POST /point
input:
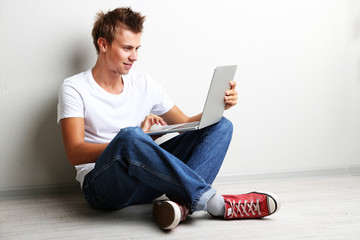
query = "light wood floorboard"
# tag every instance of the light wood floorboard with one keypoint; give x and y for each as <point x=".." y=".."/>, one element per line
<point x="312" y="208"/>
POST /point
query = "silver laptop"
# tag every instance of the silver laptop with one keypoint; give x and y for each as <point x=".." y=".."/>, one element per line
<point x="214" y="106"/>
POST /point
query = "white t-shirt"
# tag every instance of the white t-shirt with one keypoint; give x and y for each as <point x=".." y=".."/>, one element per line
<point x="105" y="113"/>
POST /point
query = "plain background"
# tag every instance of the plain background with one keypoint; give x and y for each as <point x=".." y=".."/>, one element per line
<point x="298" y="78"/>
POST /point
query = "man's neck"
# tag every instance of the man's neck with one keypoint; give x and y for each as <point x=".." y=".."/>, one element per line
<point x="110" y="81"/>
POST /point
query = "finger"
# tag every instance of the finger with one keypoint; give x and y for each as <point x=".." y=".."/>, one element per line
<point x="152" y="119"/>
<point x="231" y="100"/>
<point x="231" y="93"/>
<point x="232" y="84"/>
<point x="230" y="105"/>
<point x="162" y="122"/>
<point x="148" y="119"/>
<point x="231" y="97"/>
<point x="157" y="120"/>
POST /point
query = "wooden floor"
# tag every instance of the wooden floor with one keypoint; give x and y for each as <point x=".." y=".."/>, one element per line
<point x="312" y="208"/>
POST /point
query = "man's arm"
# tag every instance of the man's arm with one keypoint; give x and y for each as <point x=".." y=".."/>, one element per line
<point x="175" y="115"/>
<point x="77" y="150"/>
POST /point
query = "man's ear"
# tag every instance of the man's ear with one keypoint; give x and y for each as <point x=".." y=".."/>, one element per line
<point x="103" y="44"/>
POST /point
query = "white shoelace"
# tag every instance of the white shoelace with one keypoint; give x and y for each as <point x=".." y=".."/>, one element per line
<point x="244" y="208"/>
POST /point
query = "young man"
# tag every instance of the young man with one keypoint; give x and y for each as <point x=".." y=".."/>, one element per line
<point x="104" y="114"/>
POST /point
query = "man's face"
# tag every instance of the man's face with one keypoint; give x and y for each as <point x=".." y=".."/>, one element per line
<point x="123" y="51"/>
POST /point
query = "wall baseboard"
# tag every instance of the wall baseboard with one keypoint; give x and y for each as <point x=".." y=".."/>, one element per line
<point x="321" y="172"/>
<point x="61" y="189"/>
<point x="38" y="191"/>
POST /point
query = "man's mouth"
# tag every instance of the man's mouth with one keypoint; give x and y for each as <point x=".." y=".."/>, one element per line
<point x="128" y="65"/>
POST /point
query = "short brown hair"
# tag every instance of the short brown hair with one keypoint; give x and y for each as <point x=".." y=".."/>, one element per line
<point x="108" y="24"/>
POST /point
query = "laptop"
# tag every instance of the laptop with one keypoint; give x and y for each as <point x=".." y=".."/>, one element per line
<point x="214" y="105"/>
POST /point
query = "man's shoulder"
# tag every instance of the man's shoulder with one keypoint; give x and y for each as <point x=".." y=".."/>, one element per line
<point x="78" y="79"/>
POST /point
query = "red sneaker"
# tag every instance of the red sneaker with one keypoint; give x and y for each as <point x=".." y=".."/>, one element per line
<point x="168" y="214"/>
<point x="250" y="205"/>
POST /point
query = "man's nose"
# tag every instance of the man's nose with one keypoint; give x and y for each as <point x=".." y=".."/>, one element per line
<point x="134" y="55"/>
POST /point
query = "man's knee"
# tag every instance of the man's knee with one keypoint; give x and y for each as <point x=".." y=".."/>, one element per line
<point x="226" y="126"/>
<point x="129" y="135"/>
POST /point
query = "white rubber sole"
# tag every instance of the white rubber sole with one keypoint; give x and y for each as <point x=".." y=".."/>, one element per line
<point x="274" y="203"/>
<point x="167" y="214"/>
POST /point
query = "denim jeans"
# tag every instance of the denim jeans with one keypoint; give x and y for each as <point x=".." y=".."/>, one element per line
<point x="133" y="169"/>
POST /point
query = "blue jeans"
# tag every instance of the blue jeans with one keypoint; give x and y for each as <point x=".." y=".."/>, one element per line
<point x="133" y="169"/>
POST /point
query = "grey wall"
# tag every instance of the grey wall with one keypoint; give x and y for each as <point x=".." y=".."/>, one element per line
<point x="298" y="78"/>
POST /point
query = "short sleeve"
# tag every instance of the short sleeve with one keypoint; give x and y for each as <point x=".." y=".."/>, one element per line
<point x="162" y="102"/>
<point x="70" y="102"/>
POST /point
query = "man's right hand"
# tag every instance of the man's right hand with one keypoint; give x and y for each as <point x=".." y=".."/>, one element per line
<point x="150" y="120"/>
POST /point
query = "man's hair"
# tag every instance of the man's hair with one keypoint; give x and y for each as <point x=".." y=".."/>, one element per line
<point x="108" y="24"/>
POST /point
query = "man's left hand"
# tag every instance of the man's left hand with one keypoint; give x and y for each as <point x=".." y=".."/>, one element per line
<point x="231" y="96"/>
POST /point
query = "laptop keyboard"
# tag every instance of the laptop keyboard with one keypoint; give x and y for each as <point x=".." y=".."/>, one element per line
<point x="177" y="126"/>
